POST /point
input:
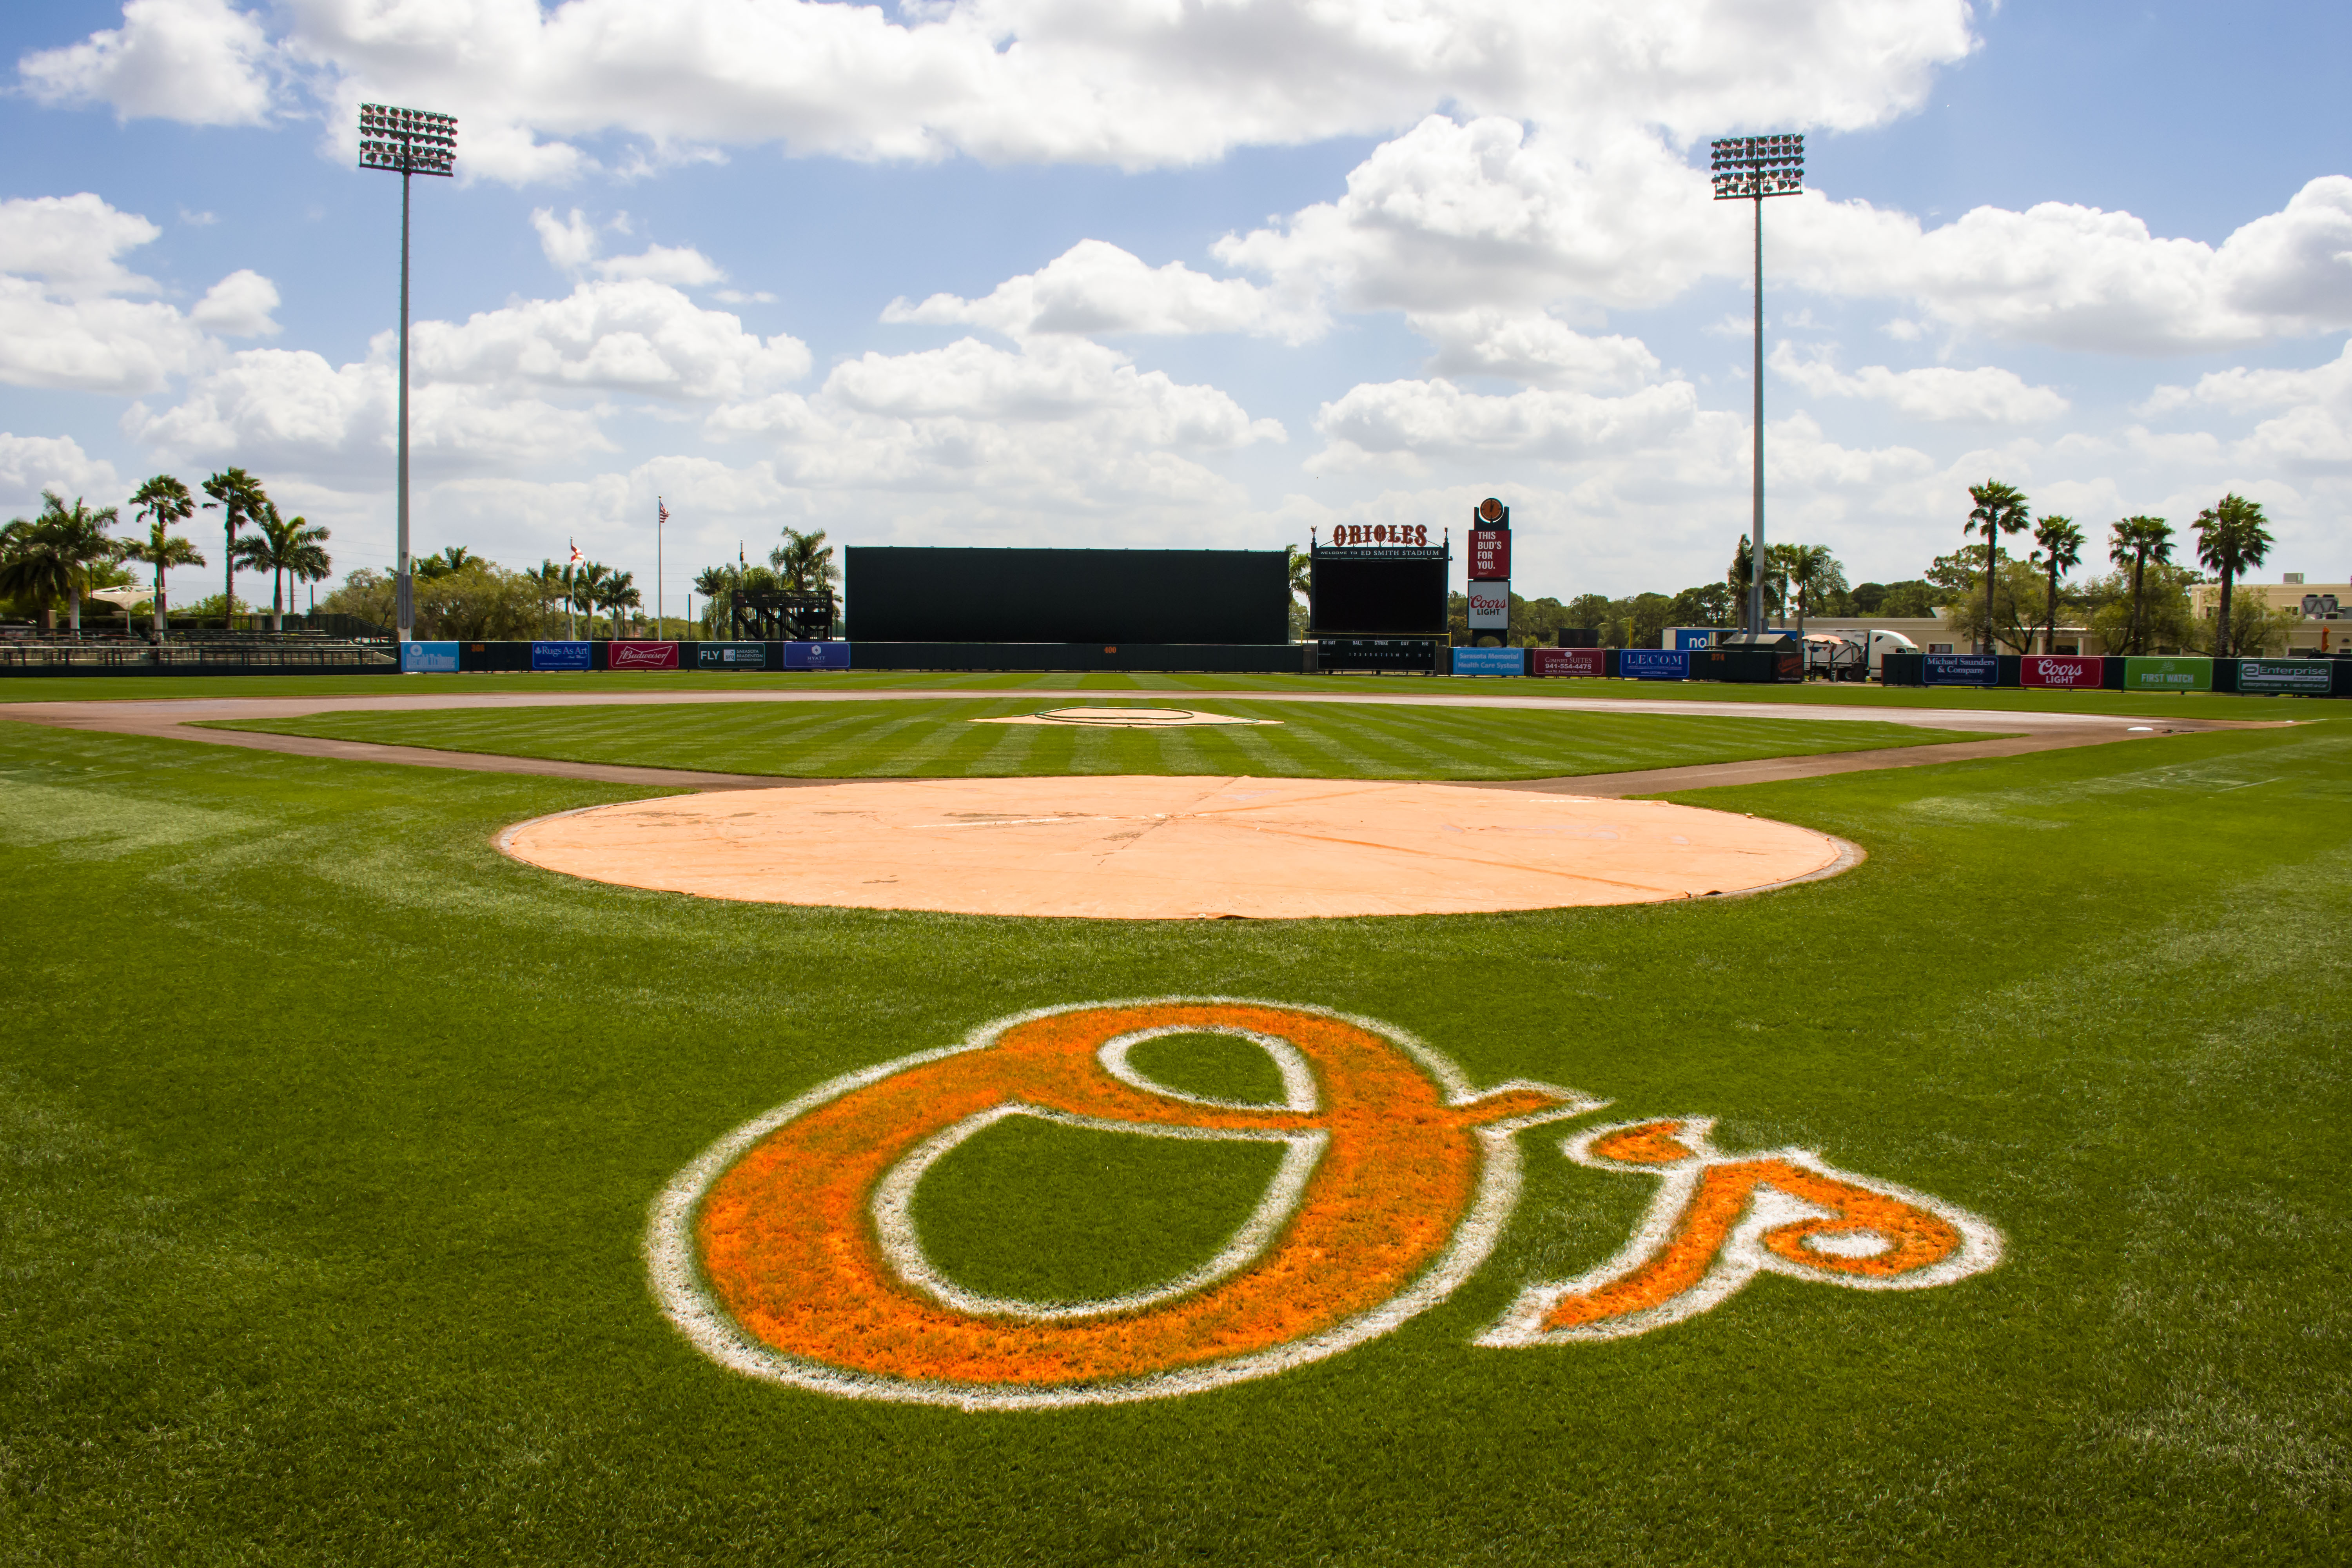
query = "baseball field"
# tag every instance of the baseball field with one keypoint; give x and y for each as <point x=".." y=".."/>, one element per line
<point x="368" y="1194"/>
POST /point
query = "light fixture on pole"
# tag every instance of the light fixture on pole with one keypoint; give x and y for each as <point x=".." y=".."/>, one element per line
<point x="1749" y="168"/>
<point x="406" y="142"/>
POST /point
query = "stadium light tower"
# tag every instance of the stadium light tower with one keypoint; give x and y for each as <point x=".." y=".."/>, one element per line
<point x="406" y="141"/>
<point x="1749" y="168"/>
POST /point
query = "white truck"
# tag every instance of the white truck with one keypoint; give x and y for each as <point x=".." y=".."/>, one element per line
<point x="1842" y="654"/>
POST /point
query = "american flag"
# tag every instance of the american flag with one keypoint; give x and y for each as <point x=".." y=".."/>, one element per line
<point x="661" y="509"/>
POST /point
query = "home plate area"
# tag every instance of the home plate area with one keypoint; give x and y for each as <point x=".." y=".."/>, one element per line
<point x="1173" y="848"/>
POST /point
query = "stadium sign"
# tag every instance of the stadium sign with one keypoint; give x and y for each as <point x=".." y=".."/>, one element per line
<point x="1962" y="670"/>
<point x="1490" y="554"/>
<point x="1567" y="661"/>
<point x="561" y="655"/>
<point x="1653" y="663"/>
<point x="788" y="1252"/>
<point x="2071" y="671"/>
<point x="641" y="656"/>
<point x="2298" y="677"/>
<point x="428" y="658"/>
<point x="731" y="656"/>
<point x="1383" y="537"/>
<point x="1490" y="606"/>
<point x="2168" y="675"/>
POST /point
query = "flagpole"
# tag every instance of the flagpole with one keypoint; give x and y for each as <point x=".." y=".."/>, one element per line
<point x="661" y="517"/>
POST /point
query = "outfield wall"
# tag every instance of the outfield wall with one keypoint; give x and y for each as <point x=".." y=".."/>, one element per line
<point x="2250" y="676"/>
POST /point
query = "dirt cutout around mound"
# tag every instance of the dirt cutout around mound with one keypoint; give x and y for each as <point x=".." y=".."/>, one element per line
<point x="1174" y="847"/>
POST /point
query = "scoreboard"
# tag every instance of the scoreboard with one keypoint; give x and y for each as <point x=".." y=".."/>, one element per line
<point x="1378" y="582"/>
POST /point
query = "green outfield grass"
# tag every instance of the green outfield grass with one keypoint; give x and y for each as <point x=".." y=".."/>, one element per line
<point x="328" y="1136"/>
<point x="917" y="738"/>
<point x="2182" y="705"/>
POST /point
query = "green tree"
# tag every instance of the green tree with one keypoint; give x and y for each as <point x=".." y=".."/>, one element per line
<point x="2256" y="631"/>
<point x="2062" y="551"/>
<point x="2229" y="539"/>
<point x="282" y="546"/>
<point x="1812" y="571"/>
<point x="618" y="592"/>
<point x="2164" y="620"/>
<point x="1708" y="605"/>
<point x="1740" y="578"/>
<point x="51" y="557"/>
<point x="1998" y="509"/>
<point x="1910" y="599"/>
<point x="804" y="561"/>
<point x="2136" y="543"/>
<point x="452" y="558"/>
<point x="238" y="496"/>
<point x="159" y="503"/>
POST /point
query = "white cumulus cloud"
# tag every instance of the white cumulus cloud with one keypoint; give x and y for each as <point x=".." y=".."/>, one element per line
<point x="1985" y="395"/>
<point x="1062" y="423"/>
<point x="1130" y="82"/>
<point x="1096" y="289"/>
<point x="1410" y="422"/>
<point x="31" y="464"/>
<point x="202" y="62"/>
<point x="1531" y="347"/>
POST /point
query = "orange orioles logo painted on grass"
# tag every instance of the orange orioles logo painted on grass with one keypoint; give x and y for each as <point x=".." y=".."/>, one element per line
<point x="788" y="1252"/>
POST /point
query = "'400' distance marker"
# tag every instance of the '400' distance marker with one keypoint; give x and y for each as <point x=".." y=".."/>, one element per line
<point x="789" y="1252"/>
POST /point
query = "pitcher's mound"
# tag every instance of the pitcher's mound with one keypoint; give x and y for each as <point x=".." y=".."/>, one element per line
<point x="1173" y="848"/>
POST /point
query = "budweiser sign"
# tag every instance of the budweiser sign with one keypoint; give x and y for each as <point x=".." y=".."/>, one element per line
<point x="641" y="656"/>
<point x="1490" y="554"/>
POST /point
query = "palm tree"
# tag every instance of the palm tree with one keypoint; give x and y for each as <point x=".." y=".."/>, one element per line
<point x="2134" y="541"/>
<point x="2062" y="551"/>
<point x="1807" y="565"/>
<point x="715" y="584"/>
<point x="161" y="502"/>
<point x="238" y="496"/>
<point x="453" y="558"/>
<point x="32" y="567"/>
<point x="616" y="593"/>
<point x="309" y="563"/>
<point x="1741" y="578"/>
<point x="587" y="582"/>
<point x="49" y="558"/>
<point x="805" y="561"/>
<point x="282" y="545"/>
<point x="1999" y="509"/>
<point x="2230" y="538"/>
<point x="552" y="584"/>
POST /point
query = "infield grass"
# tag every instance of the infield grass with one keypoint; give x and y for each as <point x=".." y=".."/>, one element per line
<point x="920" y="738"/>
<point x="327" y="1134"/>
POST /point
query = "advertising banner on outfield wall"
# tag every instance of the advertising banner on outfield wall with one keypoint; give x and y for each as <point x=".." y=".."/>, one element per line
<point x="641" y="656"/>
<point x="560" y="655"/>
<point x="2168" y="675"/>
<point x="1566" y="661"/>
<point x="1962" y="669"/>
<point x="731" y="656"/>
<point x="816" y="656"/>
<point x="428" y="658"/>
<point x="2072" y="672"/>
<point x="2304" y="676"/>
<point x="1490" y="662"/>
<point x="1653" y="663"/>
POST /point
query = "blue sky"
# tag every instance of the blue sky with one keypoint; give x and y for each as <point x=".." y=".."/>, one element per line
<point x="1119" y="273"/>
